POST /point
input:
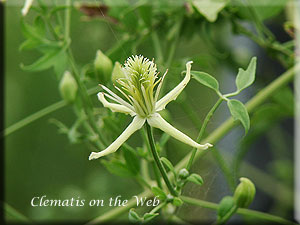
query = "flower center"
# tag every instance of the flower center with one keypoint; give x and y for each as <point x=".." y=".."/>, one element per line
<point x="138" y="84"/>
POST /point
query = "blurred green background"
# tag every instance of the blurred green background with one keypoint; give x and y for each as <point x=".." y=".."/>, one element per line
<point x="40" y="161"/>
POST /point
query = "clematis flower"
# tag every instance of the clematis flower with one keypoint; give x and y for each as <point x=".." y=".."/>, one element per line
<point x="140" y="86"/>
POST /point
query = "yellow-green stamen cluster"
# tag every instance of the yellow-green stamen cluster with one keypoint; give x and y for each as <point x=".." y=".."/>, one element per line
<point x="138" y="84"/>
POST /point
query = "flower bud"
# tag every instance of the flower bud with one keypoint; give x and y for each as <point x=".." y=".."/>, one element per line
<point x="244" y="193"/>
<point x="177" y="201"/>
<point x="226" y="204"/>
<point x="103" y="66"/>
<point x="117" y="72"/>
<point x="68" y="87"/>
<point x="183" y="173"/>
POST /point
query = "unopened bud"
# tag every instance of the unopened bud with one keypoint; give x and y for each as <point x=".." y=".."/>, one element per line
<point x="103" y="66"/>
<point x="183" y="173"/>
<point x="177" y="201"/>
<point x="68" y="87"/>
<point x="226" y="204"/>
<point x="244" y="193"/>
<point x="117" y="72"/>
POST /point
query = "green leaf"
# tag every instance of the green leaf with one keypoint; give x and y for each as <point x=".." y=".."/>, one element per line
<point x="168" y="164"/>
<point x="134" y="217"/>
<point x="149" y="216"/>
<point x="29" y="31"/>
<point x="195" y="178"/>
<point x="40" y="26"/>
<point x="132" y="161"/>
<point x="239" y="112"/>
<point x="209" y="8"/>
<point x="117" y="168"/>
<point x="45" y="62"/>
<point x="263" y="9"/>
<point x="159" y="193"/>
<point x="226" y="204"/>
<point x="246" y="77"/>
<point x="30" y="44"/>
<point x="206" y="79"/>
<point x="61" y="64"/>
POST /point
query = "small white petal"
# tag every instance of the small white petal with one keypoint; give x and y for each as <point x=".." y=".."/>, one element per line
<point x="135" y="125"/>
<point x="113" y="106"/>
<point x="26" y="7"/>
<point x="116" y="97"/>
<point x="172" y="95"/>
<point x="158" y="122"/>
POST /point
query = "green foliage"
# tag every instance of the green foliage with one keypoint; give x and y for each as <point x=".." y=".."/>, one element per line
<point x="262" y="9"/>
<point x="195" y="178"/>
<point x="168" y="164"/>
<point x="206" y="79"/>
<point x="246" y="77"/>
<point x="239" y="112"/>
<point x="134" y="217"/>
<point x="210" y="8"/>
<point x="132" y="160"/>
<point x="54" y="52"/>
<point x="118" y="168"/>
<point x="159" y="193"/>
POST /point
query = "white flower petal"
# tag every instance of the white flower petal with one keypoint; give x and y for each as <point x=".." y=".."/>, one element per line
<point x="158" y="122"/>
<point x="135" y="125"/>
<point x="26" y="7"/>
<point x="116" y="97"/>
<point x="113" y="106"/>
<point x="172" y="95"/>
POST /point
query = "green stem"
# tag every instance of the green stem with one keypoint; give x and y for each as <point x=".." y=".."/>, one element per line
<point x="202" y="130"/>
<point x="67" y="18"/>
<point x="33" y="117"/>
<point x="154" y="210"/>
<point x="88" y="107"/>
<point x="154" y="166"/>
<point x="241" y="211"/>
<point x="225" y="218"/>
<point x="87" y="104"/>
<point x="217" y="155"/>
<point x="157" y="160"/>
<point x="39" y="114"/>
